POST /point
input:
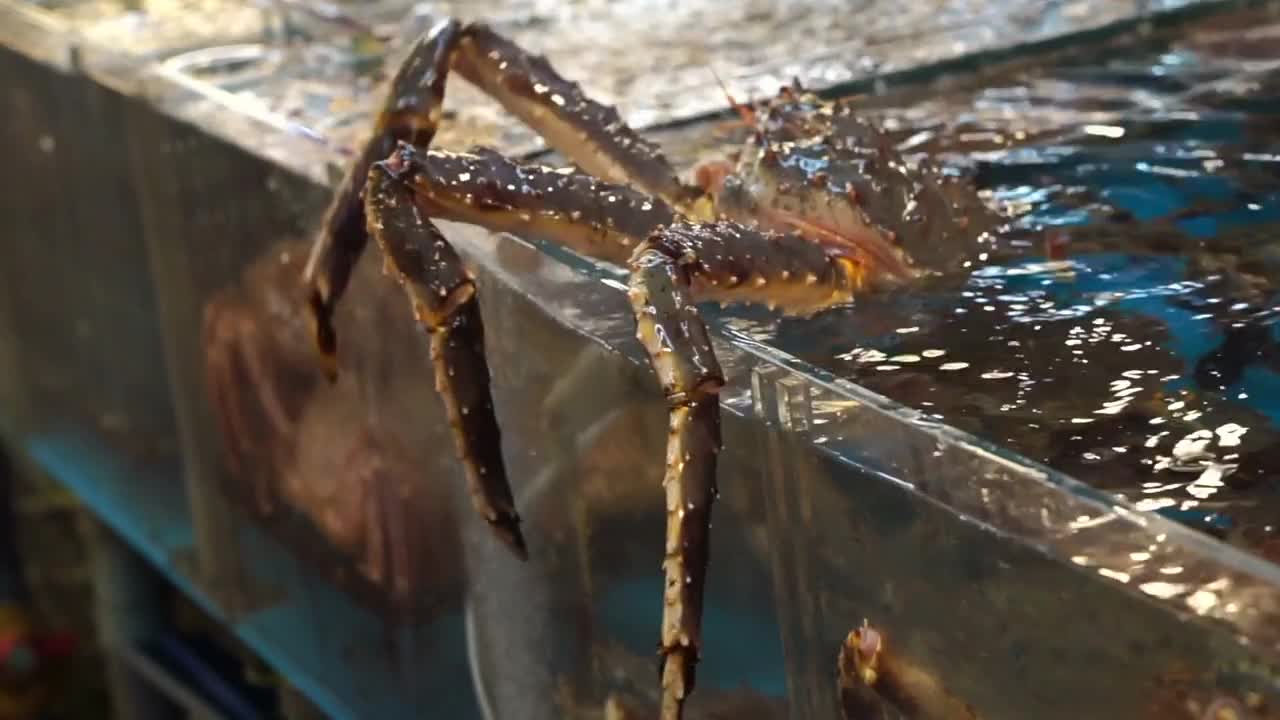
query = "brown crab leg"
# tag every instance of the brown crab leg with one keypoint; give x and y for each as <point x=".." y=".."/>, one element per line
<point x="590" y="134"/>
<point x="681" y="352"/>
<point x="443" y="296"/>
<point x="222" y="378"/>
<point x="481" y="187"/>
<point x="411" y="112"/>
<point x="677" y="265"/>
<point x="235" y="362"/>
<point x="672" y="264"/>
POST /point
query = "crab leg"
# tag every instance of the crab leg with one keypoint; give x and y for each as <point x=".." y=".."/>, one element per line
<point x="410" y="113"/>
<point x="590" y="134"/>
<point x="235" y="362"/>
<point x="674" y="336"/>
<point x="443" y="296"/>
<point x="678" y="265"/>
<point x="481" y="187"/>
<point x="663" y="274"/>
<point x="673" y="263"/>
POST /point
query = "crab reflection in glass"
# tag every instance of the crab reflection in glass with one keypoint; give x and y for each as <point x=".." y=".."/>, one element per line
<point x="819" y="207"/>
<point x="291" y="441"/>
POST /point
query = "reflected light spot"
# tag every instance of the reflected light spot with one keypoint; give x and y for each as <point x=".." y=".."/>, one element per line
<point x="1107" y="131"/>
<point x="1162" y="590"/>
<point x="1114" y="575"/>
<point x="1202" y="601"/>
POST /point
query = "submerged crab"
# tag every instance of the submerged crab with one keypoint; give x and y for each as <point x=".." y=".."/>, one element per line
<point x="251" y="337"/>
<point x="819" y="207"/>
<point x="290" y="439"/>
<point x="873" y="679"/>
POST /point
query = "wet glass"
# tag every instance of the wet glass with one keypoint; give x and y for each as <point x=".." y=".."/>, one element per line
<point x="1014" y="587"/>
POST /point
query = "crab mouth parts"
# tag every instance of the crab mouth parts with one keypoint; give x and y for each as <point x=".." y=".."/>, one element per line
<point x="864" y="244"/>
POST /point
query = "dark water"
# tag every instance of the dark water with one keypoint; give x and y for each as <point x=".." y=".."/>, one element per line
<point x="1131" y="340"/>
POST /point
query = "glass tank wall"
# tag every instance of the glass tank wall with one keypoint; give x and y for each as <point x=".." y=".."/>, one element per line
<point x="86" y="367"/>
<point x="1002" y="588"/>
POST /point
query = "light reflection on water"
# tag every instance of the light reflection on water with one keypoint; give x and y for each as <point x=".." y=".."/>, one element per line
<point x="1145" y="359"/>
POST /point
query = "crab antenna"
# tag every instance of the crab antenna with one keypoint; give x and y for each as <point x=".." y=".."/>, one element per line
<point x="744" y="111"/>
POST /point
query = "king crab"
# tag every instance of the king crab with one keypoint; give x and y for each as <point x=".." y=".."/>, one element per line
<point x="289" y="437"/>
<point x="818" y="208"/>
<point x="252" y="335"/>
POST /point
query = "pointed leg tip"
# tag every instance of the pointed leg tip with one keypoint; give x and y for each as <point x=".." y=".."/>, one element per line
<point x="329" y="367"/>
<point x="326" y="345"/>
<point x="325" y="338"/>
<point x="676" y="667"/>
<point x="508" y="528"/>
<point x="519" y="548"/>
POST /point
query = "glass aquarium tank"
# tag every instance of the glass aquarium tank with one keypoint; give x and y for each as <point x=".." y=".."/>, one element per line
<point x="1114" y="322"/>
<point x="110" y="39"/>
<point x="76" y="277"/>
<point x="85" y="377"/>
<point x="1039" y="475"/>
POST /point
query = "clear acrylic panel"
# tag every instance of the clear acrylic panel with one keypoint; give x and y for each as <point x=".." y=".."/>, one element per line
<point x="111" y="40"/>
<point x="851" y="508"/>
<point x="1004" y="583"/>
<point x="76" y="276"/>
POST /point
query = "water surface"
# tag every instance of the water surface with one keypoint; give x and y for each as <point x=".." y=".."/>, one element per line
<point x="1127" y="332"/>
